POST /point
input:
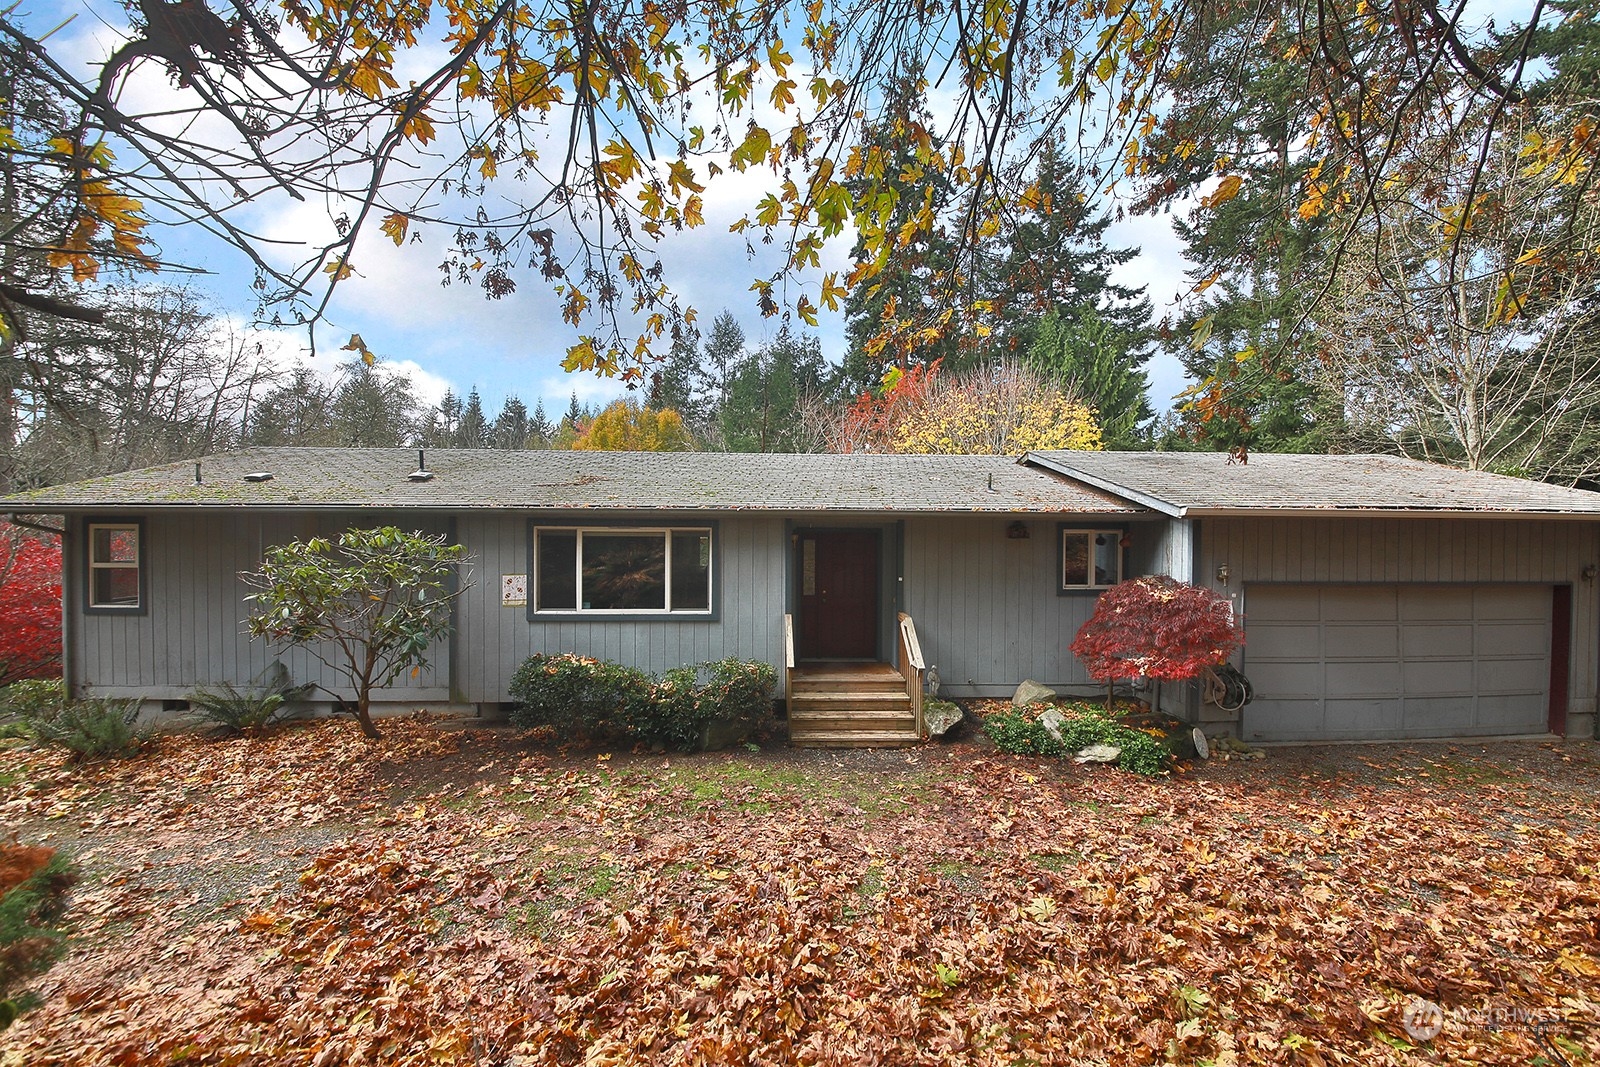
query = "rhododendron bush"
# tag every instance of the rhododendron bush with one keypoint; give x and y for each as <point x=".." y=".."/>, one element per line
<point x="30" y="605"/>
<point x="1157" y="627"/>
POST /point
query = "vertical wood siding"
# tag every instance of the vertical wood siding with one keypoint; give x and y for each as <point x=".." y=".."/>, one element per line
<point x="1417" y="550"/>
<point x="494" y="640"/>
<point x="193" y="633"/>
<point x="986" y="607"/>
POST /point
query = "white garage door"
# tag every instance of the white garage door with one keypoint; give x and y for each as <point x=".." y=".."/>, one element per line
<point x="1349" y="662"/>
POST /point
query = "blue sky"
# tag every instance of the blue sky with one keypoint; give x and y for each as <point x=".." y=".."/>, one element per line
<point x="453" y="338"/>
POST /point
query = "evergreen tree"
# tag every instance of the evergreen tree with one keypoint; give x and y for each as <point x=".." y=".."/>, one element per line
<point x="1093" y="357"/>
<point x="511" y="427"/>
<point x="677" y="383"/>
<point x="767" y="391"/>
<point x="1246" y="336"/>
<point x="442" y="422"/>
<point x="540" y="429"/>
<point x="373" y="409"/>
<point x="298" y="412"/>
<point x="474" y="429"/>
<point x="1055" y="259"/>
<point x="722" y="352"/>
<point x="894" y="320"/>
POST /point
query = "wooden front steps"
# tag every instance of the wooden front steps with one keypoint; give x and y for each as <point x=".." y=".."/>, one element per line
<point x="850" y="705"/>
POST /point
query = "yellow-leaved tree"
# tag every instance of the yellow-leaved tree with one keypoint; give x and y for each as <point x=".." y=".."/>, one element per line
<point x="1004" y="409"/>
<point x="628" y="427"/>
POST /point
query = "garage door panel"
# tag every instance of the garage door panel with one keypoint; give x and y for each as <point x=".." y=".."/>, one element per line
<point x="1452" y="678"/>
<point x="1291" y="641"/>
<point x="1285" y="681"/>
<point x="1513" y="639"/>
<point x="1436" y="715"/>
<point x="1359" y="603"/>
<point x="1522" y="714"/>
<point x="1441" y="640"/>
<point x="1438" y="603"/>
<point x="1297" y="720"/>
<point x="1350" y="641"/>
<point x="1530" y="603"/>
<point x="1355" y="718"/>
<point x="1293" y="604"/>
<point x="1369" y="679"/>
<point x="1396" y="661"/>
<point x="1512" y="676"/>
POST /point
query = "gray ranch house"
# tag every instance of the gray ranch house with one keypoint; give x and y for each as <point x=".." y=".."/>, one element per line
<point x="1382" y="597"/>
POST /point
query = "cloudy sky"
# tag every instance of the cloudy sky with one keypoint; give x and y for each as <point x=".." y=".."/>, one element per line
<point x="451" y="337"/>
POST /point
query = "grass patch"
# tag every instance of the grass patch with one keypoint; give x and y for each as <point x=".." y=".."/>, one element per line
<point x="1477" y="770"/>
<point x="1058" y="861"/>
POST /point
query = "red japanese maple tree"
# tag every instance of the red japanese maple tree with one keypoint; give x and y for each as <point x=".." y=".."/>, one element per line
<point x="30" y="605"/>
<point x="1157" y="627"/>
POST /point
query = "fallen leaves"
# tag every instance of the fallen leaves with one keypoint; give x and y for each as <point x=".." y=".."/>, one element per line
<point x="451" y="896"/>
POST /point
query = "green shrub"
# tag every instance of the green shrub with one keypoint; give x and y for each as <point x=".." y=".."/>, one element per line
<point x="577" y="697"/>
<point x="33" y="887"/>
<point x="92" y="729"/>
<point x="269" y="701"/>
<point x="736" y="694"/>
<point x="23" y="701"/>
<point x="1018" y="730"/>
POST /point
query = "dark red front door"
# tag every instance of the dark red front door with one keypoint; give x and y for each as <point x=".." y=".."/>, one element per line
<point x="838" y="571"/>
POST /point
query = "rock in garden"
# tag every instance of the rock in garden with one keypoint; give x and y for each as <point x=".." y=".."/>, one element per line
<point x="938" y="716"/>
<point x="1098" y="754"/>
<point x="1202" y="750"/>
<point x="1031" y="692"/>
<point x="1052" y="721"/>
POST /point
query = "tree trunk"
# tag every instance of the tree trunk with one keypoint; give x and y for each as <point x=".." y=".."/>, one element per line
<point x="364" y="714"/>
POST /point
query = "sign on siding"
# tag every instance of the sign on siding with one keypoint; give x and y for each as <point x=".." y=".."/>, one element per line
<point x="513" y="590"/>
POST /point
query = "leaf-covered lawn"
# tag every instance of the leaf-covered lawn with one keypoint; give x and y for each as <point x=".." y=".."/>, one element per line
<point x="455" y="896"/>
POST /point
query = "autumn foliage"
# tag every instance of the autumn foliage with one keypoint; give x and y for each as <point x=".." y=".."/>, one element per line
<point x="1156" y="627"/>
<point x="456" y="897"/>
<point x="1001" y="410"/>
<point x="625" y="427"/>
<point x="30" y="605"/>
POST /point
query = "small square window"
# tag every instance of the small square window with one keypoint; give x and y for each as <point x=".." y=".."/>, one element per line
<point x="1090" y="559"/>
<point x="116" y="570"/>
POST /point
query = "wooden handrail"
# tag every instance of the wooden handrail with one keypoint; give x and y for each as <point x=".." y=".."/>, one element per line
<point x="788" y="666"/>
<point x="911" y="666"/>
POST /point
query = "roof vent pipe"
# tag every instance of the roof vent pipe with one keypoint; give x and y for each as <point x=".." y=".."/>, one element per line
<point x="422" y="473"/>
<point x="197" y="474"/>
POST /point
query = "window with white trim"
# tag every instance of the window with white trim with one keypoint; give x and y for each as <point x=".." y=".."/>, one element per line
<point x="622" y="570"/>
<point x="116" y="579"/>
<point x="1090" y="559"/>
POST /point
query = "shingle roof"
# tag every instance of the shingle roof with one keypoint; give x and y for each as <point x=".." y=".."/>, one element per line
<point x="646" y="481"/>
<point x="1206" y="482"/>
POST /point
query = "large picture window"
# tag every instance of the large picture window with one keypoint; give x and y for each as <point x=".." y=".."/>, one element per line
<point x="116" y="566"/>
<point x="1090" y="559"/>
<point x="622" y="570"/>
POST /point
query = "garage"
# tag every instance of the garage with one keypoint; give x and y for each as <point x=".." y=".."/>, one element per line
<point x="1368" y="661"/>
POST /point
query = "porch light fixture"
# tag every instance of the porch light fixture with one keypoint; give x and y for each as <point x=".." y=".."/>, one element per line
<point x="1223" y="574"/>
<point x="1017" y="531"/>
<point x="1589" y="571"/>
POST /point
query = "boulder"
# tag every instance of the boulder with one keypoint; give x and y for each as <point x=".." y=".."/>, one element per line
<point x="1052" y="721"/>
<point x="1098" y="754"/>
<point x="1031" y="692"/>
<point x="938" y="716"/>
<point x="722" y="733"/>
